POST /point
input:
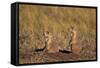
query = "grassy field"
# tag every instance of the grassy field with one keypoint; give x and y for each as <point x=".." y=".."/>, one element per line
<point x="34" y="20"/>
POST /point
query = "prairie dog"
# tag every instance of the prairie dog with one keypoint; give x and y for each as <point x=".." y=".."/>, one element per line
<point x="74" y="41"/>
<point x="51" y="44"/>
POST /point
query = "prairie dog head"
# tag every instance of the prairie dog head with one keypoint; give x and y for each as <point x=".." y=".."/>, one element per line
<point x="73" y="31"/>
<point x="48" y="36"/>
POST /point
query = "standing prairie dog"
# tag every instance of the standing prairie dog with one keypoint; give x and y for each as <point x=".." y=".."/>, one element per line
<point x="51" y="44"/>
<point x="74" y="41"/>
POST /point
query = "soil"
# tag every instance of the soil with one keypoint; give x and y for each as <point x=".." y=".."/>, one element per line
<point x="44" y="57"/>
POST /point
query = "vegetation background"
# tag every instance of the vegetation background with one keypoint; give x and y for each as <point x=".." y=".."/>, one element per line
<point x="35" y="19"/>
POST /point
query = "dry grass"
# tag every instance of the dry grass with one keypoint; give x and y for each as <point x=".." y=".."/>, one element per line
<point x="34" y="20"/>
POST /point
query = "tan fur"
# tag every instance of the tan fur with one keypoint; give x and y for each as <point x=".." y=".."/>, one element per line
<point x="52" y="47"/>
<point x="74" y="42"/>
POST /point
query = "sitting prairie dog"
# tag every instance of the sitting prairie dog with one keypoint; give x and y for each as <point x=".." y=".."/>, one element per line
<point x="51" y="45"/>
<point x="75" y="47"/>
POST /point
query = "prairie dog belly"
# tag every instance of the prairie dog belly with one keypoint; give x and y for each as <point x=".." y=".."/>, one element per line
<point x="76" y="47"/>
<point x="53" y="47"/>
